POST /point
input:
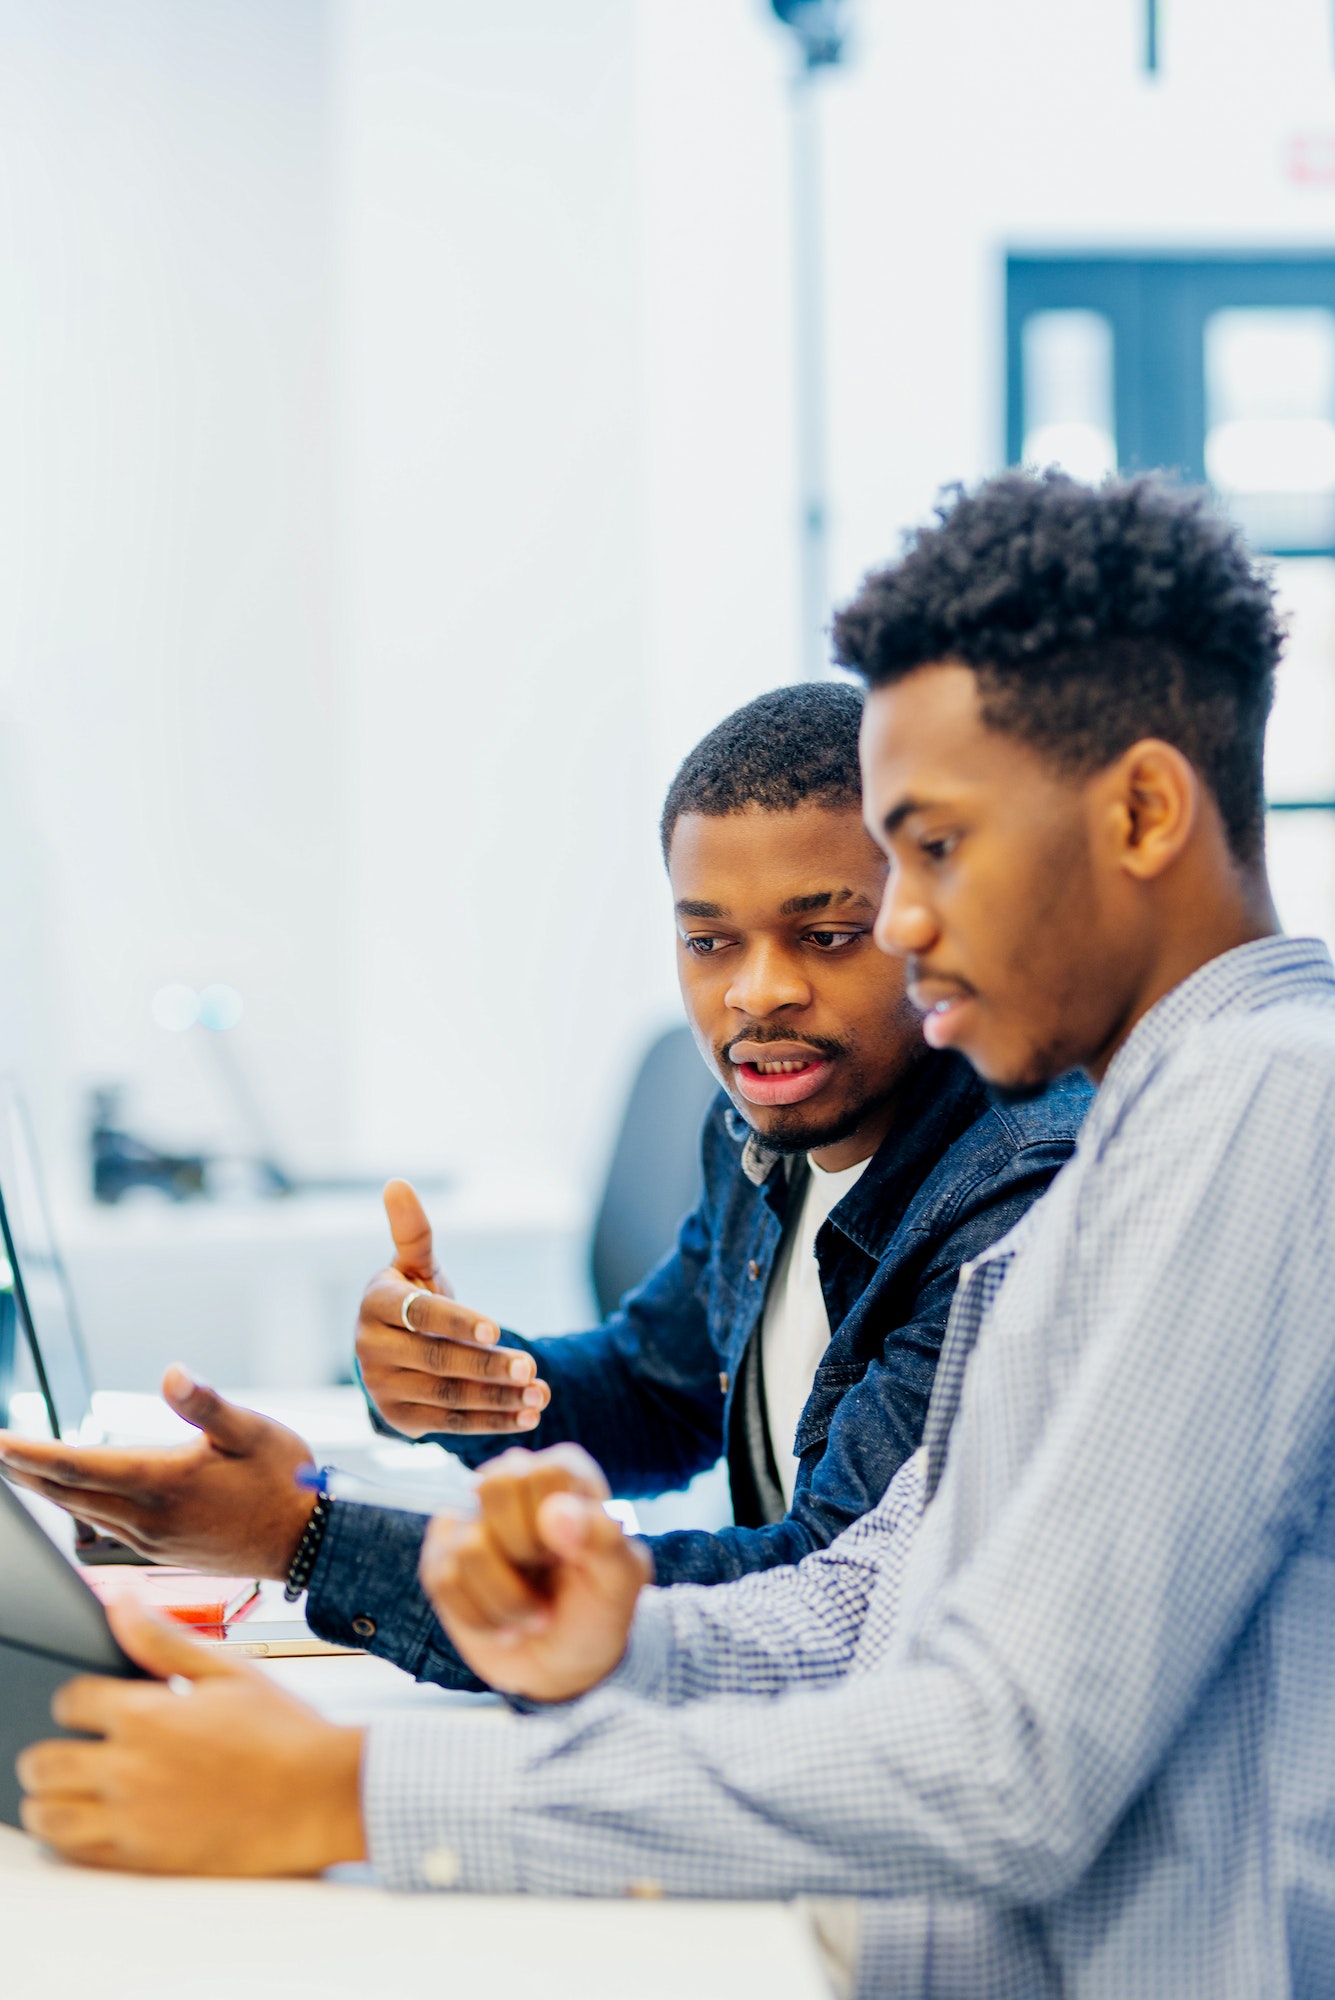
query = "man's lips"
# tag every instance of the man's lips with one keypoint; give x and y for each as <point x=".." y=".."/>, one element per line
<point x="778" y="1072"/>
<point x="944" y="1005"/>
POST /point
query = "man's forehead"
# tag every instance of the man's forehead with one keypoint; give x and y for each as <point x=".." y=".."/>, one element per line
<point x="923" y="742"/>
<point x="785" y="863"/>
<point x="932" y="706"/>
<point x="810" y="836"/>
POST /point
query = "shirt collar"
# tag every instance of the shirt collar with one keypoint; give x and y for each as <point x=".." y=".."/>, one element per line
<point x="1242" y="981"/>
<point x="757" y="1158"/>
<point x="940" y="1101"/>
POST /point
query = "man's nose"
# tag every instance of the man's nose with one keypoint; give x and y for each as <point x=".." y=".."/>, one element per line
<point x="905" y="926"/>
<point x="766" y="978"/>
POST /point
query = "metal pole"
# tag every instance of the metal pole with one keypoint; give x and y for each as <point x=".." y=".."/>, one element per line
<point x="809" y="287"/>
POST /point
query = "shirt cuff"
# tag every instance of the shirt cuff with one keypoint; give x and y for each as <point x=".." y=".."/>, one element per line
<point x="363" y="1588"/>
<point x="437" y="1797"/>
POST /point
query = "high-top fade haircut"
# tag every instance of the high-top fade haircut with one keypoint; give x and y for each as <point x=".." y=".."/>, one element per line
<point x="1092" y="618"/>
<point x="784" y="749"/>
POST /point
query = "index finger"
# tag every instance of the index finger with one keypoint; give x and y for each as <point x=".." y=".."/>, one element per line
<point x="81" y="1468"/>
<point x="97" y="1704"/>
<point x="393" y="1303"/>
<point x="513" y="1487"/>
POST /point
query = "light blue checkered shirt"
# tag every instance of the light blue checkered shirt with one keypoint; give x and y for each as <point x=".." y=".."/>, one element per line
<point x="1073" y="1726"/>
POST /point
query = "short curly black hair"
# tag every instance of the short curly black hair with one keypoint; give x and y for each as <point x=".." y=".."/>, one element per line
<point x="782" y="749"/>
<point x="1092" y="617"/>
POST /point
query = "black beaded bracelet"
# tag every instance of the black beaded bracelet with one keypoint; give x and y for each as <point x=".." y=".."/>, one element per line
<point x="308" y="1548"/>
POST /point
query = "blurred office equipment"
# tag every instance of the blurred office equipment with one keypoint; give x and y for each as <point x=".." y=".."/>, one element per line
<point x="120" y="1162"/>
<point x="1220" y="368"/>
<point x="654" y="1178"/>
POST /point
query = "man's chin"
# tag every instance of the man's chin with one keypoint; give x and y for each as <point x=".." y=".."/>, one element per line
<point x="1019" y="1083"/>
<point x="799" y="1130"/>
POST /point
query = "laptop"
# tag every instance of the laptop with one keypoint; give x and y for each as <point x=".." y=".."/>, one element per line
<point x="47" y="1347"/>
<point x="44" y="1352"/>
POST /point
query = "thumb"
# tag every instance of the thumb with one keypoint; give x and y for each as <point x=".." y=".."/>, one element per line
<point x="585" y="1536"/>
<point x="234" y="1430"/>
<point x="413" y="1252"/>
<point x="162" y="1648"/>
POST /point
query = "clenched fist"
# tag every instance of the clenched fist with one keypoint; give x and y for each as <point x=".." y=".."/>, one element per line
<point x="537" y="1593"/>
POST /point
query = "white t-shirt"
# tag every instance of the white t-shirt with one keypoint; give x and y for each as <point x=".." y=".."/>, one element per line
<point x="796" y="1328"/>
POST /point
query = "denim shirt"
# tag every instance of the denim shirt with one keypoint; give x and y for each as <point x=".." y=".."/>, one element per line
<point x="652" y="1393"/>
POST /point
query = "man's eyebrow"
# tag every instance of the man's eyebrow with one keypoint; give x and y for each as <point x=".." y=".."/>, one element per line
<point x="824" y="899"/>
<point x="688" y="907"/>
<point x="896" y="817"/>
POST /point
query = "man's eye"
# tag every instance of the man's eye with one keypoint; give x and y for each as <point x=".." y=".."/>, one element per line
<point x="703" y="947"/>
<point x="833" y="940"/>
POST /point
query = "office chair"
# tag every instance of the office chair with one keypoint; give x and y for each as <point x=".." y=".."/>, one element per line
<point x="654" y="1178"/>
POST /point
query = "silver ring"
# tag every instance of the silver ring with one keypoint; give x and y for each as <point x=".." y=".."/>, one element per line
<point x="408" y="1298"/>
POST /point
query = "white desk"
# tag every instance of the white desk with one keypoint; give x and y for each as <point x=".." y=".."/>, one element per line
<point x="76" y="1934"/>
<point x="266" y="1292"/>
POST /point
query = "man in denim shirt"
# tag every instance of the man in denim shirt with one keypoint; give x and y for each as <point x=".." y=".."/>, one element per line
<point x="844" y="1135"/>
<point x="818" y="1390"/>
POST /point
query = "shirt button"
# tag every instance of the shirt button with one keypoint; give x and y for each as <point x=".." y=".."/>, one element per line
<point x="753" y="1270"/>
<point x="363" y="1626"/>
<point x="645" y="1888"/>
<point x="440" y="1868"/>
<point x="723" y="1384"/>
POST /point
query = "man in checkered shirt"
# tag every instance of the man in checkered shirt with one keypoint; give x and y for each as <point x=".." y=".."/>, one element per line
<point x="1061" y="1709"/>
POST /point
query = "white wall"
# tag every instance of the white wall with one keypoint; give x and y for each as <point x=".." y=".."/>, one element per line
<point x="505" y="891"/>
<point x="396" y="476"/>
<point x="169" y="693"/>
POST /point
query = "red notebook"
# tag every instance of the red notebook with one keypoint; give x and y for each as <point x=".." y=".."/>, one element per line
<point x="182" y="1594"/>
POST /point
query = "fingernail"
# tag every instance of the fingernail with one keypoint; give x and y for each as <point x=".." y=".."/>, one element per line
<point x="521" y="1368"/>
<point x="533" y="1398"/>
<point x="527" y="1419"/>
<point x="485" y="1331"/>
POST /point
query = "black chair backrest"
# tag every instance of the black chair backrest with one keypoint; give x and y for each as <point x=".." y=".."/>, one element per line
<point x="654" y="1178"/>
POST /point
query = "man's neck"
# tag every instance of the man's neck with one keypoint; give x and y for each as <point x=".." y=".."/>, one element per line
<point x="1205" y="933"/>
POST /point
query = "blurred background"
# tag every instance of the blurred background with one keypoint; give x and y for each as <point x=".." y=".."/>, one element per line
<point x="420" y="421"/>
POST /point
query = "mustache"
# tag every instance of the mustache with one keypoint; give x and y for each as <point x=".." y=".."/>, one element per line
<point x="821" y="1045"/>
<point x="917" y="973"/>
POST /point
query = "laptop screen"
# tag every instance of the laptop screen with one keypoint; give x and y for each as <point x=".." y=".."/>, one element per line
<point x="36" y="1276"/>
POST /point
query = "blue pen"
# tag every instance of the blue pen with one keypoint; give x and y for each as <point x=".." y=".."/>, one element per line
<point x="417" y="1498"/>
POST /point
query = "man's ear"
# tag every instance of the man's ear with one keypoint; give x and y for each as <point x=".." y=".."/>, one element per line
<point x="1152" y="800"/>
